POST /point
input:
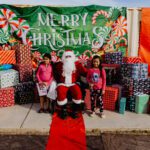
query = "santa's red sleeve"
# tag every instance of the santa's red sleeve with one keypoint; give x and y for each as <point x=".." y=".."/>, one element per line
<point x="82" y="70"/>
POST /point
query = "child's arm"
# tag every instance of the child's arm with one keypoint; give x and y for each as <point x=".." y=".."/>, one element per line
<point x="51" y="77"/>
<point x="83" y="70"/>
<point x="103" y="81"/>
<point x="38" y="74"/>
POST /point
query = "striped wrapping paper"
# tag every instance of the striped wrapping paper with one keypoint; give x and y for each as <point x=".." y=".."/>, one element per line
<point x="7" y="57"/>
<point x="132" y="60"/>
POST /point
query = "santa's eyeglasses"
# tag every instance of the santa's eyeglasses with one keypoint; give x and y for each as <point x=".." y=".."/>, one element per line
<point x="68" y="56"/>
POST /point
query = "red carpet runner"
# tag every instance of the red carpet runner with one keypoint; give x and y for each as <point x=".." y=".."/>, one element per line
<point x="67" y="134"/>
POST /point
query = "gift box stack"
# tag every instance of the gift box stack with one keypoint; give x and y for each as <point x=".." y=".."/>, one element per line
<point x="135" y="71"/>
<point x="24" y="91"/>
<point x="113" y="58"/>
<point x="8" y="77"/>
<point x="24" y="65"/>
<point x="135" y="81"/>
<point x="110" y="98"/>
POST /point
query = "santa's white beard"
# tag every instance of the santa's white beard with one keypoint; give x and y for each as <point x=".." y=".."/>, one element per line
<point x="68" y="66"/>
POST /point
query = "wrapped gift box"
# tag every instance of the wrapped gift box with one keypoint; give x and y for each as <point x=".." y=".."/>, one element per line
<point x="23" y="54"/>
<point x="141" y="105"/>
<point x="9" y="78"/>
<point x="135" y="71"/>
<point x="7" y="97"/>
<point x="25" y="86"/>
<point x="25" y="72"/>
<point x="122" y="105"/>
<point x="135" y="86"/>
<point x="113" y="58"/>
<point x="24" y="97"/>
<point x="7" y="57"/>
<point x="131" y="103"/>
<point x="110" y="98"/>
<point x="132" y="60"/>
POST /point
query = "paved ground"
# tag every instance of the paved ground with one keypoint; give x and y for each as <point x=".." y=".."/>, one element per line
<point x="26" y="117"/>
<point x="21" y="127"/>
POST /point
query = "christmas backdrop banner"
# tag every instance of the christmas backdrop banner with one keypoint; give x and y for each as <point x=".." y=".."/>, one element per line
<point x="53" y="29"/>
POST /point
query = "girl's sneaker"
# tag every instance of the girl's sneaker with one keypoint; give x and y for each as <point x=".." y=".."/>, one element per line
<point x="102" y="115"/>
<point x="92" y="114"/>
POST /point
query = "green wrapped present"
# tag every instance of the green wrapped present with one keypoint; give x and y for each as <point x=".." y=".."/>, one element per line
<point x="141" y="105"/>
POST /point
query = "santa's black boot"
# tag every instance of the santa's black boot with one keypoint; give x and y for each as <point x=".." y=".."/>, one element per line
<point x="62" y="113"/>
<point x="53" y="106"/>
<point x="75" y="110"/>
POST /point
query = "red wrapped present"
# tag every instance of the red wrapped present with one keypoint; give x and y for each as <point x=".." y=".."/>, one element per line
<point x="132" y="60"/>
<point x="7" y="57"/>
<point x="110" y="97"/>
<point x="23" y="54"/>
<point x="87" y="100"/>
<point x="25" y="72"/>
<point x="7" y="97"/>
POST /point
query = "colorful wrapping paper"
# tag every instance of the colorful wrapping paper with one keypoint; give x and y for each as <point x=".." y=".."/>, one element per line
<point x="132" y="60"/>
<point x="9" y="78"/>
<point x="24" y="97"/>
<point x="24" y="92"/>
<point x="110" y="98"/>
<point x="25" y="86"/>
<point x="7" y="57"/>
<point x="113" y="58"/>
<point x="134" y="70"/>
<point x="135" y="86"/>
<point x="7" y="97"/>
<point x="23" y="54"/>
<point x="131" y="103"/>
<point x="25" y="72"/>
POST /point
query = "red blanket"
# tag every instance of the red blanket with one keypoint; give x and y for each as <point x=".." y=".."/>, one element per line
<point x="67" y="134"/>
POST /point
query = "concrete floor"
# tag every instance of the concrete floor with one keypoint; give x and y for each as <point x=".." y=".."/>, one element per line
<point x="26" y="117"/>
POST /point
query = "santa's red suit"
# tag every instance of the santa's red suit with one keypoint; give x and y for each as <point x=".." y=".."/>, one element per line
<point x="68" y="82"/>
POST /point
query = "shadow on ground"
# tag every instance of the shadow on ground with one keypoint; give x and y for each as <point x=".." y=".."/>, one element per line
<point x="106" y="141"/>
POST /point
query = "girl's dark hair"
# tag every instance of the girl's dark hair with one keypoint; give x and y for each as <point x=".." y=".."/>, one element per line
<point x="97" y="57"/>
<point x="47" y="55"/>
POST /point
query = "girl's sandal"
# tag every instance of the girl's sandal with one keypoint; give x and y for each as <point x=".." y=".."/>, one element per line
<point x="41" y="110"/>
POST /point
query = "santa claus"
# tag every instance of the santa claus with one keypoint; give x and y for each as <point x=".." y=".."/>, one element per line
<point x="66" y="73"/>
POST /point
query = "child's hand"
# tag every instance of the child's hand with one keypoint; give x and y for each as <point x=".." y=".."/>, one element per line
<point x="91" y="86"/>
<point x="103" y="92"/>
<point x="44" y="83"/>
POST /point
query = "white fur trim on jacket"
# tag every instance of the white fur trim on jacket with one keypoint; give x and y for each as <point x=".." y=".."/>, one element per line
<point x="61" y="103"/>
<point x="77" y="101"/>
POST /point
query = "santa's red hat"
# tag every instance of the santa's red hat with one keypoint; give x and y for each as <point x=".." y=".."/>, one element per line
<point x="68" y="52"/>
